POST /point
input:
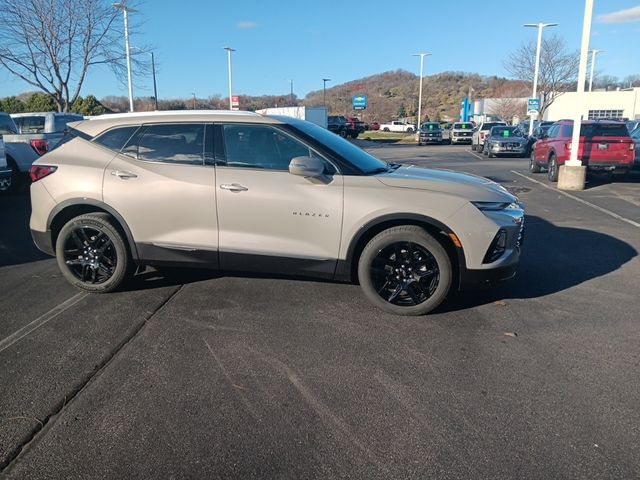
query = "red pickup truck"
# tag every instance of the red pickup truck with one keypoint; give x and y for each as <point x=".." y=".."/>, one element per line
<point x="604" y="146"/>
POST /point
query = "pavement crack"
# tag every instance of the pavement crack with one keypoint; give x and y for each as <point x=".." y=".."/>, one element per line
<point x="59" y="408"/>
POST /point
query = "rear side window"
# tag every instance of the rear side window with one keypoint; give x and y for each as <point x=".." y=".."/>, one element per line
<point x="30" y="124"/>
<point x="175" y="143"/>
<point x="116" y="138"/>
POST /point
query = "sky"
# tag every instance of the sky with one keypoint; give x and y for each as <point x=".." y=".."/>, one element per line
<point x="305" y="41"/>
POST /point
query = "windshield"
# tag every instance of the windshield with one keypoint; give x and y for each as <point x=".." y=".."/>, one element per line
<point x="506" y="132"/>
<point x="430" y="126"/>
<point x="359" y="158"/>
<point x="489" y="126"/>
<point x="463" y="126"/>
<point x="600" y="130"/>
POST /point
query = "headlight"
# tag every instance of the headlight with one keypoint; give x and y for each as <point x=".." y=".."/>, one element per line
<point x="495" y="206"/>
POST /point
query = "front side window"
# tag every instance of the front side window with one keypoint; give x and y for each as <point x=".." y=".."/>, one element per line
<point x="262" y="146"/>
<point x="553" y="131"/>
<point x="170" y="143"/>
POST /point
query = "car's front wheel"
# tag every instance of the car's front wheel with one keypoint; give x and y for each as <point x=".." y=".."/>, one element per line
<point x="405" y="271"/>
<point x="92" y="254"/>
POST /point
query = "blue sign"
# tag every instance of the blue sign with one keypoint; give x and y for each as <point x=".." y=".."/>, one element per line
<point x="359" y="102"/>
<point x="533" y="106"/>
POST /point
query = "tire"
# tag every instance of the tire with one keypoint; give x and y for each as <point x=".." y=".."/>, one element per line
<point x="533" y="166"/>
<point x="409" y="130"/>
<point x="485" y="151"/>
<point x="409" y="292"/>
<point x="385" y="129"/>
<point x="343" y="133"/>
<point x="17" y="180"/>
<point x="109" y="264"/>
<point x="474" y="147"/>
<point x="552" y="169"/>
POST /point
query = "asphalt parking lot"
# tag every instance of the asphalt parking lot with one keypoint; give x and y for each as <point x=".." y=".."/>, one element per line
<point x="191" y="375"/>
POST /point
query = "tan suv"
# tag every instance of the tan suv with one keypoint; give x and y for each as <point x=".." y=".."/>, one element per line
<point x="237" y="191"/>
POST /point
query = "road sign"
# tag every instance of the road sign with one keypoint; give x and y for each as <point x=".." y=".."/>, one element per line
<point x="235" y="102"/>
<point x="533" y="106"/>
<point x="359" y="102"/>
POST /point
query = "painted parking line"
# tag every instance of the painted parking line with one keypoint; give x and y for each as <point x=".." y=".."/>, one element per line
<point x="475" y="154"/>
<point x="584" y="202"/>
<point x="41" y="320"/>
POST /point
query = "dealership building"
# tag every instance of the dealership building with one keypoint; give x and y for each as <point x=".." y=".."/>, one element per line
<point x="622" y="104"/>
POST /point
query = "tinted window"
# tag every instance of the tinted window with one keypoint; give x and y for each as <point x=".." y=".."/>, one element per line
<point x="636" y="134"/>
<point x="356" y="156"/>
<point x="506" y="132"/>
<point x="599" y="130"/>
<point x="431" y="126"/>
<point x="30" y="124"/>
<point x="7" y="126"/>
<point x="489" y="126"/>
<point x="261" y="146"/>
<point x="60" y="122"/>
<point x="463" y="126"/>
<point x="553" y="131"/>
<point x="116" y="138"/>
<point x="177" y="143"/>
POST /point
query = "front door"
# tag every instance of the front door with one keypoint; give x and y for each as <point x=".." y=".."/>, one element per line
<point x="271" y="220"/>
<point x="166" y="194"/>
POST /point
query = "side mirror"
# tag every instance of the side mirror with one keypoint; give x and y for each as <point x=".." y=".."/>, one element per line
<point x="306" y="167"/>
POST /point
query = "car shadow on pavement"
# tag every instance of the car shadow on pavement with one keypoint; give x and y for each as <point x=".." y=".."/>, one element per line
<point x="553" y="259"/>
<point x="16" y="245"/>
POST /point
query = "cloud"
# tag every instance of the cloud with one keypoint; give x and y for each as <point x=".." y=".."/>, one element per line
<point x="247" y="25"/>
<point x="622" y="16"/>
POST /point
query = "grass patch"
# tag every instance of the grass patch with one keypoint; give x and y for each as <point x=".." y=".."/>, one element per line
<point x="388" y="137"/>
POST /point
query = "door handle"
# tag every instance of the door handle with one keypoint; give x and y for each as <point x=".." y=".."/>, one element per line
<point x="123" y="174"/>
<point x="233" y="187"/>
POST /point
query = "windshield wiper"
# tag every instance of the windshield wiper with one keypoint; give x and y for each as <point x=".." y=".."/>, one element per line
<point x="390" y="167"/>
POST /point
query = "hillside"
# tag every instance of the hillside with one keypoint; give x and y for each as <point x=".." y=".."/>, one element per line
<point x="391" y="93"/>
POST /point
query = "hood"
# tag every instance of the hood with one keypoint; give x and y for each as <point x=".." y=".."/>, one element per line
<point x="471" y="187"/>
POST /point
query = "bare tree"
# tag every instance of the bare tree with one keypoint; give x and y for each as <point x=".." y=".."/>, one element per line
<point x="52" y="44"/>
<point x="558" y="68"/>
<point x="632" y="81"/>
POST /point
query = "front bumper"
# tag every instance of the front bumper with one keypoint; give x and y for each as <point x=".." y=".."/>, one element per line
<point x="5" y="179"/>
<point x="499" y="150"/>
<point x="430" y="139"/>
<point x="455" y="139"/>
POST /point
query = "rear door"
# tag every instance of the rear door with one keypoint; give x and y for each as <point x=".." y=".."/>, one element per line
<point x="162" y="187"/>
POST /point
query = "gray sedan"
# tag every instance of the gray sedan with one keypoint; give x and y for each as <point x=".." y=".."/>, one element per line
<point x="506" y="140"/>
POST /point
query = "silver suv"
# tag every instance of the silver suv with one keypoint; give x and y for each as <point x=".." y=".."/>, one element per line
<point x="237" y="191"/>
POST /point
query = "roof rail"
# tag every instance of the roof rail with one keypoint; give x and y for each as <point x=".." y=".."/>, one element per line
<point x="158" y="113"/>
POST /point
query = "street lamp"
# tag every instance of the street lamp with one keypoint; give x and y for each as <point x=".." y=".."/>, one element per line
<point x="291" y="94"/>
<point x="194" y="100"/>
<point x="540" y="27"/>
<point x="324" y="91"/>
<point x="594" y="52"/>
<point x="421" y="55"/>
<point x="229" y="50"/>
<point x="125" y="11"/>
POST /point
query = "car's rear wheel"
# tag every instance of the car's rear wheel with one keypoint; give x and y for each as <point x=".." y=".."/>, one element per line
<point x="552" y="169"/>
<point x="405" y="271"/>
<point x="92" y="254"/>
<point x="385" y="129"/>
<point x="533" y="166"/>
<point x="409" y="130"/>
<point x="474" y="147"/>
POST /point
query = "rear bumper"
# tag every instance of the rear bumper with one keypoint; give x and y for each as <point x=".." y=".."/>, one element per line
<point x="43" y="241"/>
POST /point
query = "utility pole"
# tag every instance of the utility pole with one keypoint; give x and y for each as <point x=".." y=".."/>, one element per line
<point x="421" y="55"/>
<point x="324" y="91"/>
<point x="229" y="50"/>
<point x="125" y="11"/>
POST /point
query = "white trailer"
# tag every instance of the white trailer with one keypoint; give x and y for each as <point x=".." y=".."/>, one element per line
<point x="317" y="115"/>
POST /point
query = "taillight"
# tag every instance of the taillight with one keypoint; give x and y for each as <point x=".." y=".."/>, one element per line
<point x="41" y="146"/>
<point x="38" y="172"/>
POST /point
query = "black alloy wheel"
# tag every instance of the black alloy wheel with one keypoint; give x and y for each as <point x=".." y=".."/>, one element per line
<point x="92" y="254"/>
<point x="552" y="169"/>
<point x="533" y="166"/>
<point x="405" y="271"/>
<point x="405" y="274"/>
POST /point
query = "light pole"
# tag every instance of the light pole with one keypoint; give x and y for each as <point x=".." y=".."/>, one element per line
<point x="540" y="27"/>
<point x="324" y="91"/>
<point x="594" y="52"/>
<point x="125" y="11"/>
<point x="291" y="94"/>
<point x="194" y="100"/>
<point x="421" y="55"/>
<point x="153" y="70"/>
<point x="229" y="50"/>
<point x="155" y="90"/>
